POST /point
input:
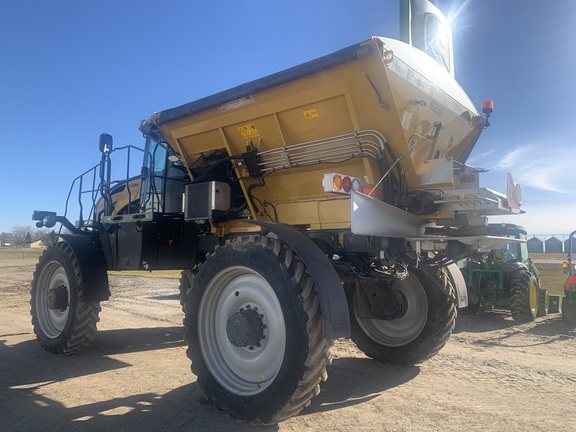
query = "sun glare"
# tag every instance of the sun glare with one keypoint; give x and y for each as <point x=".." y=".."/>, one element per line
<point x="457" y="15"/>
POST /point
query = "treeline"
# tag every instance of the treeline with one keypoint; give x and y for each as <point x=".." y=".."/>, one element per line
<point x="24" y="236"/>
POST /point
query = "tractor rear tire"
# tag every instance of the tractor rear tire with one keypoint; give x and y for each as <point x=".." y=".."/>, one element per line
<point x="523" y="296"/>
<point x="255" y="331"/>
<point x="568" y="310"/>
<point x="64" y="323"/>
<point x="416" y="336"/>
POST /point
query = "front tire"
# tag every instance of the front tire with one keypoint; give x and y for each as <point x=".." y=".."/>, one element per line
<point x="255" y="331"/>
<point x="64" y="323"/>
<point x="523" y="296"/>
<point x="416" y="336"/>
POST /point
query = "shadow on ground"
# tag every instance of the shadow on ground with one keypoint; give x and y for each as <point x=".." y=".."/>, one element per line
<point x="484" y="321"/>
<point x="549" y="325"/>
<point x="547" y="330"/>
<point x="25" y="369"/>
<point x="353" y="381"/>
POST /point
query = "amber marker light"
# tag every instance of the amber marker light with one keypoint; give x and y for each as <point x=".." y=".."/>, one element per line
<point x="337" y="182"/>
<point x="487" y="109"/>
<point x="340" y="183"/>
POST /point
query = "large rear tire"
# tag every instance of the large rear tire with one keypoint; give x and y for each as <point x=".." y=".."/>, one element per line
<point x="420" y="333"/>
<point x="523" y="296"/>
<point x="255" y="331"/>
<point x="568" y="310"/>
<point x="64" y="323"/>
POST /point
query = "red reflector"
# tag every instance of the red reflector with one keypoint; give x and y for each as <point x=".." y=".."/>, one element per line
<point x="510" y="266"/>
<point x="347" y="184"/>
<point x="368" y="191"/>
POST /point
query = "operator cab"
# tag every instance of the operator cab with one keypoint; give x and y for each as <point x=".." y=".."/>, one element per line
<point x="164" y="177"/>
<point x="423" y="26"/>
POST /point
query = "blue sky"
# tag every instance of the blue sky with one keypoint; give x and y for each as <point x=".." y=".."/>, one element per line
<point x="72" y="69"/>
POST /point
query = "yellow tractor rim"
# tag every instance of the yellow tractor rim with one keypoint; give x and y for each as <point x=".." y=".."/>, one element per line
<point x="533" y="296"/>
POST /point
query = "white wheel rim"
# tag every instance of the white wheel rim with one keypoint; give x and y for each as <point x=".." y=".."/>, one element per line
<point x="51" y="321"/>
<point x="401" y="331"/>
<point x="241" y="370"/>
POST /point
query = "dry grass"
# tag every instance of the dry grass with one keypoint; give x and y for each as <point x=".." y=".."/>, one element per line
<point x="552" y="278"/>
<point x="169" y="274"/>
<point x="548" y="256"/>
<point x="13" y="253"/>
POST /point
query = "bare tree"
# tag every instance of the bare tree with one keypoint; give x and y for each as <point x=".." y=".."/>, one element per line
<point x="50" y="238"/>
<point x="22" y="236"/>
<point x="19" y="233"/>
<point x="5" y="238"/>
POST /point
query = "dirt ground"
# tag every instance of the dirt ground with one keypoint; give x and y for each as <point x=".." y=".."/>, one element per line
<point x="493" y="374"/>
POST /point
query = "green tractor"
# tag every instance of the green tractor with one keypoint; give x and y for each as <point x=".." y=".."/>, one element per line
<point x="505" y="277"/>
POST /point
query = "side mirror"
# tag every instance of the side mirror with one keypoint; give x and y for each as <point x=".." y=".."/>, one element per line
<point x="105" y="143"/>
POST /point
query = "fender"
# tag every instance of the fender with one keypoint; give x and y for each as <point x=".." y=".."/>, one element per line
<point x="459" y="283"/>
<point x="328" y="285"/>
<point x="92" y="265"/>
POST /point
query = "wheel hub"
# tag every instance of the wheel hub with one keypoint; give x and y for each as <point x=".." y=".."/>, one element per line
<point x="245" y="328"/>
<point x="58" y="298"/>
<point x="383" y="302"/>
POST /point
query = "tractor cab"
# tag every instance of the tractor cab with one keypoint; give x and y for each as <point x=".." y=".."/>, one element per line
<point x="513" y="251"/>
<point x="504" y="277"/>
<point x="516" y="251"/>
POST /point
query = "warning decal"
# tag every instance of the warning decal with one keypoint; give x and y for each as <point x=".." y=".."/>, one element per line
<point x="238" y="103"/>
<point x="310" y="114"/>
<point x="248" y="131"/>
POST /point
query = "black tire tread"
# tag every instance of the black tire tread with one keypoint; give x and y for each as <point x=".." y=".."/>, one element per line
<point x="318" y="355"/>
<point x="439" y="327"/>
<point x="519" y="296"/>
<point x="87" y="313"/>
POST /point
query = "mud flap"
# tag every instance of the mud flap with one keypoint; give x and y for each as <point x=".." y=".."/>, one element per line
<point x="93" y="268"/>
<point x="328" y="285"/>
<point x="459" y="284"/>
